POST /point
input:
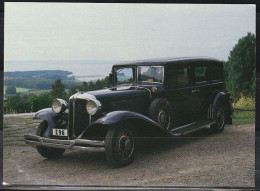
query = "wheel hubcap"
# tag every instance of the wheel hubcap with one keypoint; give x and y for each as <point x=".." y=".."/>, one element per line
<point x="164" y="118"/>
<point x="125" y="144"/>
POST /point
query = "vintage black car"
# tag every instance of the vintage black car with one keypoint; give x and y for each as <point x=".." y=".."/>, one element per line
<point x="173" y="96"/>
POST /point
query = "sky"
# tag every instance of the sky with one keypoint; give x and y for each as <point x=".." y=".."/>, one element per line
<point x="90" y="31"/>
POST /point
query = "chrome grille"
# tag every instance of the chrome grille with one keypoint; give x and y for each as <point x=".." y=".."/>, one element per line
<point x="78" y="117"/>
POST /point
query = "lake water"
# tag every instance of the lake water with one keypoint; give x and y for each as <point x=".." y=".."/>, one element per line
<point x="82" y="70"/>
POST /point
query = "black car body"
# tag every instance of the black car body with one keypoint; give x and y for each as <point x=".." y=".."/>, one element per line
<point x="169" y="96"/>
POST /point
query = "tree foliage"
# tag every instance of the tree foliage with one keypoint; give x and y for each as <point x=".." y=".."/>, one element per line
<point x="10" y="90"/>
<point x="240" y="68"/>
<point x="58" y="89"/>
<point x="17" y="104"/>
<point x="32" y="103"/>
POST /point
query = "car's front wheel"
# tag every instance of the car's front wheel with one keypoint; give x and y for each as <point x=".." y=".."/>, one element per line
<point x="120" y="145"/>
<point x="218" y="127"/>
<point x="47" y="152"/>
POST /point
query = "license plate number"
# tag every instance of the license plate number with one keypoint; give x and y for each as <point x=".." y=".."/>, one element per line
<point x="60" y="132"/>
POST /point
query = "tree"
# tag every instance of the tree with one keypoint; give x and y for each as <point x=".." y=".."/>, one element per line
<point x="10" y="90"/>
<point x="74" y="89"/>
<point x="17" y="104"/>
<point x="58" y="90"/>
<point x="42" y="101"/>
<point x="240" y="75"/>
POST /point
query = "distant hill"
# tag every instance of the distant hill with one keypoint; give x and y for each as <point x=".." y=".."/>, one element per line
<point x="48" y="74"/>
<point x="38" y="79"/>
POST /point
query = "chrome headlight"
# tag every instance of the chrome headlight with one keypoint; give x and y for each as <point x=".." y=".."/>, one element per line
<point x="93" y="106"/>
<point x="59" y="105"/>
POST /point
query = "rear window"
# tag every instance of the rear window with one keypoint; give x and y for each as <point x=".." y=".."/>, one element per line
<point x="178" y="77"/>
<point x="200" y="74"/>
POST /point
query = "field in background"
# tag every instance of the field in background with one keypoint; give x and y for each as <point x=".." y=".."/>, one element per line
<point x="26" y="91"/>
<point x="18" y="90"/>
<point x="35" y="92"/>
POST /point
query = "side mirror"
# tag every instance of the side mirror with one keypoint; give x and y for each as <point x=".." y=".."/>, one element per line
<point x="111" y="78"/>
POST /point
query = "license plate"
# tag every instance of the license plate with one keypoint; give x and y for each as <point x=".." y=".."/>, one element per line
<point x="60" y="132"/>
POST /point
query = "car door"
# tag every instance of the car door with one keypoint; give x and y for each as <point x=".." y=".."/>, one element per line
<point x="179" y="93"/>
<point x="201" y="90"/>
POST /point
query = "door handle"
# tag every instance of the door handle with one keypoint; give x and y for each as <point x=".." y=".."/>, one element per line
<point x="195" y="90"/>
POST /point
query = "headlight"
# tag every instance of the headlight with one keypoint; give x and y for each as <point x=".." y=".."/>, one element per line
<point x="59" y="105"/>
<point x="93" y="106"/>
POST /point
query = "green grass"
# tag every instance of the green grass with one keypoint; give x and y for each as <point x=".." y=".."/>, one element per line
<point x="243" y="117"/>
<point x="28" y="91"/>
<point x="18" y="90"/>
<point x="35" y="92"/>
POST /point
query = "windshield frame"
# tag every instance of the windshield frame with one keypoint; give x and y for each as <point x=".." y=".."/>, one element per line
<point x="138" y="67"/>
<point x="121" y="67"/>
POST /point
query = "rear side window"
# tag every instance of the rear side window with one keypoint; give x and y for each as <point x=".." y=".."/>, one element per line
<point x="200" y="74"/>
<point x="215" y="73"/>
<point x="178" y="77"/>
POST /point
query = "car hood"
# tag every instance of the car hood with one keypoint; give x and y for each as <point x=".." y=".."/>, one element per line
<point x="113" y="94"/>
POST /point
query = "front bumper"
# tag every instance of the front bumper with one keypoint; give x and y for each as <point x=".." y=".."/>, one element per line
<point x="76" y="144"/>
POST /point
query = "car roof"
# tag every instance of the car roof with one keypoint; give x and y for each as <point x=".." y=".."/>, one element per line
<point x="164" y="61"/>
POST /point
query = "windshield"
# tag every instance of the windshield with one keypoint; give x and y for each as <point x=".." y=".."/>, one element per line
<point x="150" y="74"/>
<point x="124" y="75"/>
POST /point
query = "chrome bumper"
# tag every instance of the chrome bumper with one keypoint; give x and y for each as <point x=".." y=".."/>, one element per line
<point x="76" y="144"/>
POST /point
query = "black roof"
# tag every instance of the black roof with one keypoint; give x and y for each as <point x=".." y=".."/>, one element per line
<point x="164" y="61"/>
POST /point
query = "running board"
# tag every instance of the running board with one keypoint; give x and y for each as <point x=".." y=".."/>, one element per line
<point x="185" y="129"/>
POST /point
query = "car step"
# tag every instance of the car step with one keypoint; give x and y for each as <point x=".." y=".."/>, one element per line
<point x="185" y="129"/>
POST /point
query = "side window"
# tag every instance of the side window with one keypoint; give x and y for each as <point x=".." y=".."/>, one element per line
<point x="216" y="73"/>
<point x="178" y="77"/>
<point x="200" y="74"/>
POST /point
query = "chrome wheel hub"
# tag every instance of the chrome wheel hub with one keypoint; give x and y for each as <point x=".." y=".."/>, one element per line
<point x="125" y="144"/>
<point x="164" y="118"/>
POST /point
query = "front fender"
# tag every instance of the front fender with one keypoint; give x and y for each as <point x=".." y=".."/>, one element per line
<point x="48" y="115"/>
<point x="116" y="117"/>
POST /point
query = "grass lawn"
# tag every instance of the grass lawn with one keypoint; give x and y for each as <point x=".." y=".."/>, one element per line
<point x="243" y="117"/>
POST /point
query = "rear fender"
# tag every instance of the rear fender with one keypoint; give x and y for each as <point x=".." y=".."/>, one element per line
<point x="135" y="119"/>
<point x="48" y="115"/>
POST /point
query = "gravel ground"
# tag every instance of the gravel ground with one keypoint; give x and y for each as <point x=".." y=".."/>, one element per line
<point x="198" y="159"/>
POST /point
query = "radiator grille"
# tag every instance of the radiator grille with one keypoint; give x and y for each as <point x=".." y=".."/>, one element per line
<point x="78" y="117"/>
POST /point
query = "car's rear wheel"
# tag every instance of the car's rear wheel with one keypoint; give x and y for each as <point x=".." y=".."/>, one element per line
<point x="47" y="152"/>
<point x="218" y="127"/>
<point x="160" y="111"/>
<point x="120" y="145"/>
